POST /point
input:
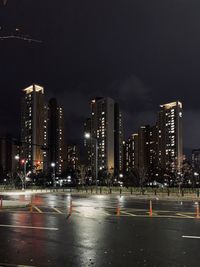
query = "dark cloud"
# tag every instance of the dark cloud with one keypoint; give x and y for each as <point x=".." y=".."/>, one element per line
<point x="142" y="53"/>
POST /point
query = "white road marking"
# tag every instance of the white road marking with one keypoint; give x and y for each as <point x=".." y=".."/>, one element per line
<point x="14" y="265"/>
<point x="37" y="209"/>
<point x="28" y="227"/>
<point x="191" y="237"/>
<point x="128" y="213"/>
<point x="57" y="210"/>
<point x="106" y="213"/>
<point x="185" y="216"/>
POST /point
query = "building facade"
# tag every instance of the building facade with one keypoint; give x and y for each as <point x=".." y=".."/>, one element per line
<point x="55" y="129"/>
<point x="170" y="136"/>
<point x="88" y="145"/>
<point x="118" y="141"/>
<point x="141" y="151"/>
<point x="196" y="160"/>
<point x="8" y="150"/>
<point x="32" y="126"/>
<point x="107" y="134"/>
<point x="46" y="137"/>
<point x="131" y="155"/>
<point x="72" y="157"/>
<point x="42" y="131"/>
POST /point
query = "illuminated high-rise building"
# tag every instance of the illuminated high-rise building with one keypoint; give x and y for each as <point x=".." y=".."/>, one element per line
<point x="55" y="135"/>
<point x="106" y="129"/>
<point x="72" y="157"/>
<point x="32" y="126"/>
<point x="131" y="156"/>
<point x="170" y="136"/>
<point x="158" y="148"/>
<point x="118" y="141"/>
<point x="196" y="160"/>
<point x="153" y="151"/>
<point x="141" y="151"/>
<point x="42" y="131"/>
<point x="143" y="148"/>
<point x="46" y="138"/>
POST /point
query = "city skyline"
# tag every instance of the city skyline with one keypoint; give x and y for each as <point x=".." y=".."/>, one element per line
<point x="158" y="146"/>
<point x="79" y="139"/>
<point x="74" y="63"/>
<point x="99" y="133"/>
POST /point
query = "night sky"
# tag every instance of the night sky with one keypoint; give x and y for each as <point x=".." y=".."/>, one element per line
<point x="140" y="52"/>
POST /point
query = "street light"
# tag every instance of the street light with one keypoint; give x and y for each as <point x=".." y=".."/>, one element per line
<point x="53" y="165"/>
<point x="17" y="157"/>
<point x="88" y="136"/>
<point x="24" y="162"/>
<point x="196" y="175"/>
<point x="23" y="179"/>
<point x="121" y="176"/>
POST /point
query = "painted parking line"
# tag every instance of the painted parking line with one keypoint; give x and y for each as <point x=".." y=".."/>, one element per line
<point x="13" y="265"/>
<point x="184" y="215"/>
<point x="169" y="216"/>
<point x="153" y="213"/>
<point x="105" y="213"/>
<point x="191" y="237"/>
<point x="39" y="210"/>
<point x="57" y="210"/>
<point x="28" y="227"/>
<point x="154" y="216"/>
<point x="128" y="213"/>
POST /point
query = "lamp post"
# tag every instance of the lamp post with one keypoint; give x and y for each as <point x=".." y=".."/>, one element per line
<point x="196" y="175"/>
<point x="24" y="161"/>
<point x="53" y="165"/>
<point x="17" y="158"/>
<point x="88" y="136"/>
<point x="23" y="179"/>
<point x="121" y="176"/>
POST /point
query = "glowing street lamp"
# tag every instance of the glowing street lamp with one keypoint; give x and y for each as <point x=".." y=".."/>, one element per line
<point x="53" y="164"/>
<point x="17" y="157"/>
<point x="87" y="135"/>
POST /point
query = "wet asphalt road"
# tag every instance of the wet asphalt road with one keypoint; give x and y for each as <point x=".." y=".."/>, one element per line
<point x="94" y="236"/>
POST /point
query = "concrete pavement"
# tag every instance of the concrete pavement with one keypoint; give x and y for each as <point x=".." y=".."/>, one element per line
<point x="95" y="236"/>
